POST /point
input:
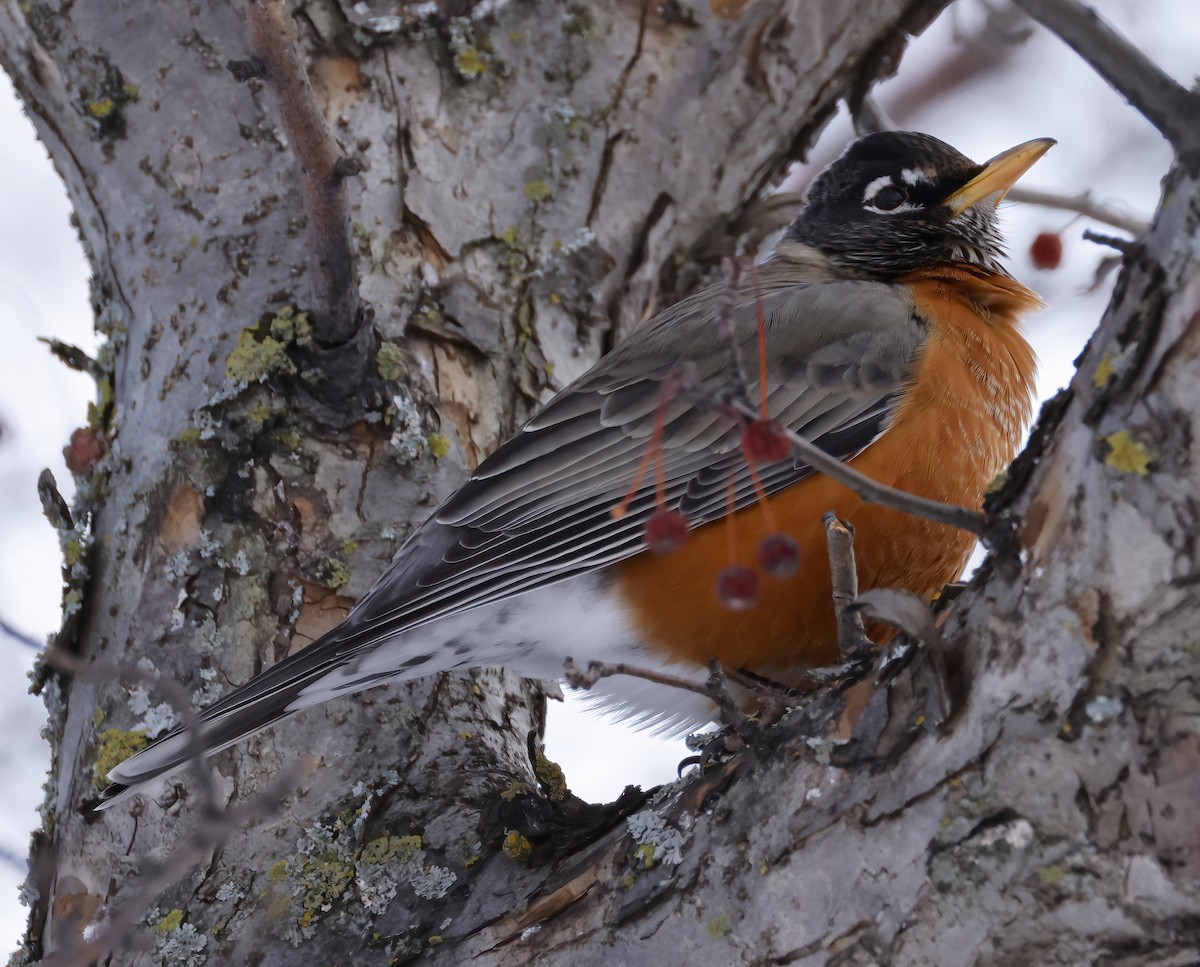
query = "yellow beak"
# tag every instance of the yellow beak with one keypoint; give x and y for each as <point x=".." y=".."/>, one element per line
<point x="998" y="175"/>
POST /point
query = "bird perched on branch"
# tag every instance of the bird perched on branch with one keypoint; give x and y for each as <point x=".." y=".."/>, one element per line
<point x="638" y="517"/>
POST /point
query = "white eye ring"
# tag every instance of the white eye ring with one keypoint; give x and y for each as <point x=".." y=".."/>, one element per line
<point x="877" y="187"/>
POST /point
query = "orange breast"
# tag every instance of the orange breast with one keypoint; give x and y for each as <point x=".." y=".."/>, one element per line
<point x="958" y="426"/>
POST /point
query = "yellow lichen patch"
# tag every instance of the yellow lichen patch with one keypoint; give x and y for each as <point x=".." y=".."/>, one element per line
<point x="537" y="190"/>
<point x="1051" y="874"/>
<point x="549" y="773"/>
<point x="470" y="63"/>
<point x="1105" y="371"/>
<point x="1128" y="455"/>
<point x="188" y="436"/>
<point x="717" y="927"/>
<point x="101" y="107"/>
<point x="516" y="847"/>
<point x="172" y="921"/>
<point x="439" y="446"/>
<point x="277" y="871"/>
<point x="114" y="746"/>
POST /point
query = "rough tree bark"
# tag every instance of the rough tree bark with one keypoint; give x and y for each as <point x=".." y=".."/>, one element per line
<point x="509" y="187"/>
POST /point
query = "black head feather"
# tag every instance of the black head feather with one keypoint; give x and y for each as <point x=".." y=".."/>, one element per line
<point x="880" y="209"/>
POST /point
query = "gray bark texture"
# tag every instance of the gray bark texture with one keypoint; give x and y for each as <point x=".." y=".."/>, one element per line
<point x="328" y="289"/>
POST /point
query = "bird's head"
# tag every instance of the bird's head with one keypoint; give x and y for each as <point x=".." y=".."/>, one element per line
<point x="897" y="200"/>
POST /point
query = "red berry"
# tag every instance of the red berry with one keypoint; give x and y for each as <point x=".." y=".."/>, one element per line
<point x="764" y="442"/>
<point x="85" y="449"/>
<point x="1046" y="251"/>
<point x="665" y="531"/>
<point x="737" y="588"/>
<point x="779" y="555"/>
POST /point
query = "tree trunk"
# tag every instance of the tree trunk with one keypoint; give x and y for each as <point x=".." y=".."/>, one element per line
<point x="323" y="303"/>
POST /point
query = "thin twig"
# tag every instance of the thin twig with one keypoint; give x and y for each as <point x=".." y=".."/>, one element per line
<point x="274" y="39"/>
<point x="1122" y="245"/>
<point x="20" y="637"/>
<point x="875" y="492"/>
<point x="577" y="677"/>
<point x="1171" y="108"/>
<point x="1082" y="204"/>
<point x="852" y="638"/>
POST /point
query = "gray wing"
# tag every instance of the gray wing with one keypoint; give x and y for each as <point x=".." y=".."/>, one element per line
<point x="538" y="509"/>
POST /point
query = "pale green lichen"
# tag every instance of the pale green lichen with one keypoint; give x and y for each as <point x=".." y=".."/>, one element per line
<point x="717" y="927"/>
<point x="72" y="553"/>
<point x="114" y="746"/>
<point x="1128" y="455"/>
<point x="188" y="436"/>
<point x="292" y="326"/>
<point x="333" y="573"/>
<point x="389" y="362"/>
<point x="255" y="358"/>
<point x="537" y="190"/>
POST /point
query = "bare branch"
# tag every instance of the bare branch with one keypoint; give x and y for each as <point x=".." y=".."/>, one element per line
<point x="1171" y="108"/>
<point x="317" y="155"/>
<point x="1082" y="204"/>
<point x="852" y="636"/>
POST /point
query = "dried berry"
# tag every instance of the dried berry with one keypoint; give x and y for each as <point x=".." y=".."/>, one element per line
<point x="665" y="531"/>
<point x="1046" y="251"/>
<point x="737" y="588"/>
<point x="779" y="555"/>
<point x="764" y="442"/>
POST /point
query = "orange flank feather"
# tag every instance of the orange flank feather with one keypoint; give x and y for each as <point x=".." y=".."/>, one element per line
<point x="958" y="425"/>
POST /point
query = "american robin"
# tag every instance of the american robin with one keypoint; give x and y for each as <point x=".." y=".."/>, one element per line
<point x="891" y="337"/>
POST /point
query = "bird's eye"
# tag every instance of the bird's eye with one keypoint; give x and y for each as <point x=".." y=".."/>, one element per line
<point x="889" y="198"/>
